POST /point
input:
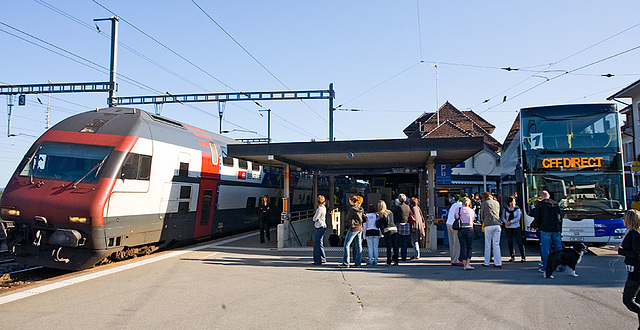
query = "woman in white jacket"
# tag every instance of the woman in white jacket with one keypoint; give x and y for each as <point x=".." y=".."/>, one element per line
<point x="511" y="218"/>
<point x="320" y="223"/>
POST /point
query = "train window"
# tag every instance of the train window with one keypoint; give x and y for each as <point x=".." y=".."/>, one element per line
<point x="130" y="167"/>
<point x="242" y="164"/>
<point x="255" y="167"/>
<point x="206" y="206"/>
<point x="183" y="207"/>
<point x="185" y="192"/>
<point x="184" y="169"/>
<point x="145" y="167"/>
<point x="136" y="167"/>
<point x="226" y="160"/>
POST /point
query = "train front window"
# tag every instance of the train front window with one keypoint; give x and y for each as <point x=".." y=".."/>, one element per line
<point x="67" y="162"/>
<point x="580" y="193"/>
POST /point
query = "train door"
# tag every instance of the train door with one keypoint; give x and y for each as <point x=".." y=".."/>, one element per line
<point x="206" y="206"/>
<point x="207" y="196"/>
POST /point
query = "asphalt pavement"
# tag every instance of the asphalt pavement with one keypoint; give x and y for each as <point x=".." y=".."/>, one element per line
<point x="238" y="283"/>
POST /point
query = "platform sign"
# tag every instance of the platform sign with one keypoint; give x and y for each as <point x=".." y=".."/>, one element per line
<point x="22" y="99"/>
<point x="443" y="174"/>
<point x="635" y="166"/>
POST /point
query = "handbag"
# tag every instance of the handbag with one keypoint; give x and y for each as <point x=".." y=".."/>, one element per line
<point x="412" y="218"/>
<point x="457" y="223"/>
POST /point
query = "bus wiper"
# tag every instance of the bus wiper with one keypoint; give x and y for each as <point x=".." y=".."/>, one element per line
<point x="97" y="166"/>
<point x="595" y="207"/>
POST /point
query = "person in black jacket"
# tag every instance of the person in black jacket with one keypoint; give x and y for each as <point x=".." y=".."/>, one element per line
<point x="263" y="206"/>
<point x="630" y="249"/>
<point x="547" y="219"/>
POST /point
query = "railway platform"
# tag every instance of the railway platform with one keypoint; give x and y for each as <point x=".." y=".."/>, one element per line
<point x="238" y="283"/>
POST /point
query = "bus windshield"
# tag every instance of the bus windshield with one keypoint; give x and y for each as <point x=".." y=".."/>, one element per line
<point x="580" y="193"/>
<point x="561" y="132"/>
<point x="66" y="161"/>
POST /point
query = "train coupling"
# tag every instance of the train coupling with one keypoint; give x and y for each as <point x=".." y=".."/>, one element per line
<point x="67" y="238"/>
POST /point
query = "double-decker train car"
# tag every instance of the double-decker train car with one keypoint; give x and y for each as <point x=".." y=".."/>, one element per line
<point x="117" y="182"/>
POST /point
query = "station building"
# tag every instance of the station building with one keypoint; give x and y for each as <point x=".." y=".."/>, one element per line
<point x="446" y="138"/>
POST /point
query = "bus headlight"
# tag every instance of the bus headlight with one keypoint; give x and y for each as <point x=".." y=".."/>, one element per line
<point x="6" y="212"/>
<point x="78" y="219"/>
<point x="620" y="230"/>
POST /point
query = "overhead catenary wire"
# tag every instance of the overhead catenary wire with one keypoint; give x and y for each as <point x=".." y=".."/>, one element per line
<point x="175" y="53"/>
<point x="565" y="73"/>
<point x="86" y="62"/>
<point x="551" y="65"/>
<point x="253" y="57"/>
<point x="120" y="43"/>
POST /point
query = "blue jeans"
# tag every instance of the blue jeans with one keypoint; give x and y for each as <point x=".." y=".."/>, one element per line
<point x="547" y="238"/>
<point x="356" y="237"/>
<point x="404" y="243"/>
<point x="318" y="246"/>
<point x="372" y="248"/>
<point x="465" y="235"/>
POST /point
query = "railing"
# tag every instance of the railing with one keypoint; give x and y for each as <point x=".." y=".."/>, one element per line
<point x="302" y="215"/>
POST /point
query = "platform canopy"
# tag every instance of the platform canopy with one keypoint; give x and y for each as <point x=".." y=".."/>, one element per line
<point x="360" y="156"/>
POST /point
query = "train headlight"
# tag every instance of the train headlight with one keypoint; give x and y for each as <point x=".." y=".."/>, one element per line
<point x="6" y="212"/>
<point x="78" y="219"/>
<point x="620" y="230"/>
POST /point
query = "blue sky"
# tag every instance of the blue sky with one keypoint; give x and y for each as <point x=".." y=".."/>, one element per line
<point x="378" y="54"/>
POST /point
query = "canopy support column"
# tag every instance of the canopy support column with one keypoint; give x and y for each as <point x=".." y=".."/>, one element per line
<point x="431" y="193"/>
<point x="285" y="217"/>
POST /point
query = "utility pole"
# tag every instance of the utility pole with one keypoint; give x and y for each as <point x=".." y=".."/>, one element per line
<point x="48" y="116"/>
<point x="114" y="57"/>
<point x="437" y="97"/>
<point x="268" y="124"/>
<point x="221" y="106"/>
<point x="9" y="106"/>
<point x="332" y="95"/>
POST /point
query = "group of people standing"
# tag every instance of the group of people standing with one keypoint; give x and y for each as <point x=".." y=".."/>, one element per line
<point x="400" y="227"/>
<point x="492" y="218"/>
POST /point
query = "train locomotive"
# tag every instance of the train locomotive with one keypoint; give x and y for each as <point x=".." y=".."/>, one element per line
<point x="114" y="183"/>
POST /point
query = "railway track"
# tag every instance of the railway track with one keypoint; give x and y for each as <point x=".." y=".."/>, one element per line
<point x="15" y="275"/>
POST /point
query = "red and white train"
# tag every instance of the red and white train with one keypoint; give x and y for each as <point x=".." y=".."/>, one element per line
<point x="118" y="182"/>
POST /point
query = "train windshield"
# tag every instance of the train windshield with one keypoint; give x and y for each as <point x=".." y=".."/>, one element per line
<point x="66" y="161"/>
<point x="588" y="194"/>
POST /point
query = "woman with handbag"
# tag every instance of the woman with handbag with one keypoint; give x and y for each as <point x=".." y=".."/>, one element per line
<point x="630" y="249"/>
<point x="320" y="225"/>
<point x="416" y="219"/>
<point x="390" y="231"/>
<point x="465" y="215"/>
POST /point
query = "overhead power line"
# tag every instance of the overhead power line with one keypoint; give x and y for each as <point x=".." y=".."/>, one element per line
<point x="183" y="58"/>
<point x="165" y="46"/>
<point x="253" y="57"/>
<point x="120" y="43"/>
<point x="551" y="65"/>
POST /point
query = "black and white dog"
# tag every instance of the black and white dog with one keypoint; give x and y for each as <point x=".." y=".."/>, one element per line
<point x="569" y="257"/>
